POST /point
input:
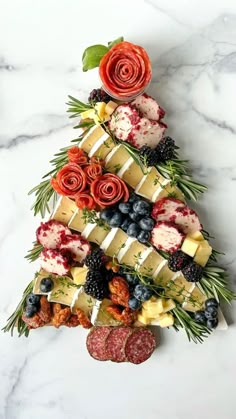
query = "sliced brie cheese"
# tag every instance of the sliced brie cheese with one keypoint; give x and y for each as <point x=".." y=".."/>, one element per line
<point x="102" y="147"/>
<point x="116" y="159"/>
<point x="168" y="191"/>
<point x="196" y="302"/>
<point x="150" y="183"/>
<point x="164" y="275"/>
<point x="63" y="292"/>
<point x="64" y="210"/>
<point x="114" y="241"/>
<point x="83" y="301"/>
<point x="77" y="222"/>
<point x="149" y="261"/>
<point x="91" y="137"/>
<point x="131" y="252"/>
<point x="95" y="234"/>
<point x="158" y="192"/>
<point x="131" y="173"/>
<point x="179" y="288"/>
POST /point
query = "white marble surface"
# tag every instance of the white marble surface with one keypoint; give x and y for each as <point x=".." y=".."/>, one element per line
<point x="193" y="48"/>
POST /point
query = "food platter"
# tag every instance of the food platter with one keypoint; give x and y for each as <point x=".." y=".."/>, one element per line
<point x="120" y="249"/>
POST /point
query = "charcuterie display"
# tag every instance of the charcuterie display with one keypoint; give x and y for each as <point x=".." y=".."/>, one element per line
<point x="120" y="251"/>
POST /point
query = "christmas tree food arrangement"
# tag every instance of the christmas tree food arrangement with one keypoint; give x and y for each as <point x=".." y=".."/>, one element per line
<point x="122" y="250"/>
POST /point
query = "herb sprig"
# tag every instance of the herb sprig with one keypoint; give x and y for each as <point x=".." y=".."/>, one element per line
<point x="195" y="332"/>
<point x="15" y="320"/>
<point x="34" y="253"/>
<point x="215" y="283"/>
<point x="91" y="216"/>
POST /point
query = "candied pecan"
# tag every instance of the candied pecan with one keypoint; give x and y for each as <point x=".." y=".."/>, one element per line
<point x="45" y="311"/>
<point x="120" y="291"/>
<point x="83" y="319"/>
<point x="33" y="322"/>
<point x="61" y="316"/>
<point x="112" y="266"/>
<point x="117" y="299"/>
<point x="73" y="321"/>
<point x="126" y="316"/>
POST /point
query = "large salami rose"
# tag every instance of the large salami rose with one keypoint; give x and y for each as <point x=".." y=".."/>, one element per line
<point x="125" y="70"/>
<point x="109" y="189"/>
<point x="92" y="171"/>
<point x="77" y="155"/>
<point x="70" y="180"/>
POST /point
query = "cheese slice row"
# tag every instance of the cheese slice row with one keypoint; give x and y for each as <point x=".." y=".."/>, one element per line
<point x="150" y="184"/>
<point x="129" y="251"/>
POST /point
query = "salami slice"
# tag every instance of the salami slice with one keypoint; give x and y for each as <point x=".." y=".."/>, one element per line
<point x="115" y="343"/>
<point x="96" y="342"/>
<point x="140" y="346"/>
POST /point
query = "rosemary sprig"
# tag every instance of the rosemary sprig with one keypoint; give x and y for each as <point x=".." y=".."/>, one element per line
<point x="215" y="283"/>
<point x="34" y="253"/>
<point x="76" y="107"/>
<point x="195" y="332"/>
<point x="15" y="320"/>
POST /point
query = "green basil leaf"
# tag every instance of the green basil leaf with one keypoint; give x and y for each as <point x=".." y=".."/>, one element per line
<point x="116" y="41"/>
<point x="92" y="56"/>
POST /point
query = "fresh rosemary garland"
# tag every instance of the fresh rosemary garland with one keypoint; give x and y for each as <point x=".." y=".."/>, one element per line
<point x="34" y="253"/>
<point x="15" y="320"/>
<point x="214" y="283"/>
<point x="195" y="332"/>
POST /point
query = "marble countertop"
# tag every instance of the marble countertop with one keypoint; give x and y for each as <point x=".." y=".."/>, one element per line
<point x="193" y="49"/>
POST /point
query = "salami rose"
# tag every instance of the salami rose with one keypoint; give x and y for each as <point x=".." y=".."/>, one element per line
<point x="70" y="180"/>
<point x="109" y="189"/>
<point x="96" y="159"/>
<point x="85" y="200"/>
<point x="125" y="70"/>
<point x="92" y="172"/>
<point x="77" y="155"/>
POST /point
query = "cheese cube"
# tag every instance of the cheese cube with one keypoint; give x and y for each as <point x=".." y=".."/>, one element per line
<point x="110" y="107"/>
<point x="143" y="320"/>
<point x="168" y="305"/>
<point x="149" y="262"/>
<point x="64" y="210"/>
<point x="114" y="241"/>
<point x="91" y="137"/>
<point x="77" y="221"/>
<point x="153" y="309"/>
<point x="190" y="246"/>
<point x="116" y="159"/>
<point x="203" y="253"/>
<point x="197" y="236"/>
<point x="167" y="321"/>
<point x="102" y="147"/>
<point x="79" y="274"/>
<point x="131" y="173"/>
<point x="150" y="183"/>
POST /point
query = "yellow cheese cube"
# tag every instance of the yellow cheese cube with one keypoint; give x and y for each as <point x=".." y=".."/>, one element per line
<point x="143" y="320"/>
<point x="168" y="305"/>
<point x="167" y="321"/>
<point x="90" y="113"/>
<point x="79" y="274"/>
<point x="197" y="236"/>
<point x="190" y="246"/>
<point x="203" y="253"/>
<point x="153" y="309"/>
<point x="77" y="221"/>
<point x="64" y="210"/>
<point x="110" y="107"/>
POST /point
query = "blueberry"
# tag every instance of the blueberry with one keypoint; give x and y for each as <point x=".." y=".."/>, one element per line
<point x="32" y="299"/>
<point x="135" y="217"/>
<point x="211" y="312"/>
<point x="132" y="279"/>
<point x="200" y="317"/>
<point x="134" y="304"/>
<point x="107" y="214"/>
<point x="133" y="230"/>
<point x="141" y="207"/>
<point x="212" y="323"/>
<point x="126" y="223"/>
<point x="146" y="223"/>
<point x="142" y="293"/>
<point x="143" y="236"/>
<point x="46" y="284"/>
<point x="125" y="207"/>
<point x="133" y="197"/>
<point x="211" y="302"/>
<point x="30" y="310"/>
<point x="116" y="219"/>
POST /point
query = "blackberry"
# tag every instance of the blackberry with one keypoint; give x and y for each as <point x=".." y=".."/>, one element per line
<point x="192" y="272"/>
<point x="95" y="260"/>
<point x="148" y="156"/>
<point x="178" y="260"/>
<point x="99" y="95"/>
<point x="94" y="276"/>
<point x="166" y="149"/>
<point x="97" y="290"/>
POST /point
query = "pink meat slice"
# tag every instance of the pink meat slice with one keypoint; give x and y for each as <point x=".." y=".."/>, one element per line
<point x="167" y="236"/>
<point x="164" y="208"/>
<point x="115" y="343"/>
<point x="50" y="234"/>
<point x="96" y="342"/>
<point x="54" y="262"/>
<point x="76" y="245"/>
<point x="140" y="345"/>
<point x="148" y="107"/>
